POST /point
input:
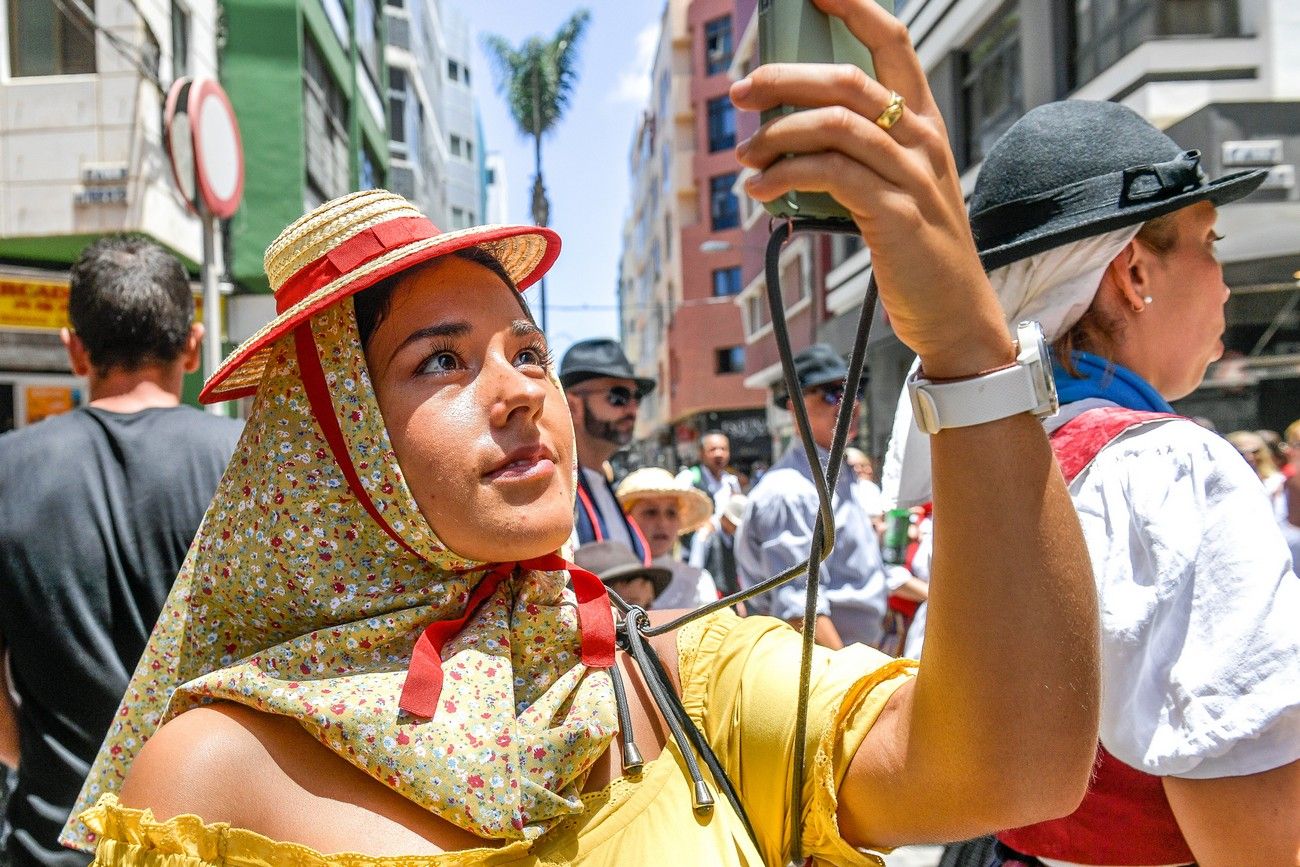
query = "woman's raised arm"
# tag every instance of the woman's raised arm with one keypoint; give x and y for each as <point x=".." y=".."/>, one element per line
<point x="999" y="728"/>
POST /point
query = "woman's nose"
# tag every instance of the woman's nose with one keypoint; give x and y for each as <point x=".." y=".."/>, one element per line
<point x="514" y="392"/>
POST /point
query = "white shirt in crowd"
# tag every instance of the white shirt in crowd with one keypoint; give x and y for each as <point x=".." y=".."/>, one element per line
<point x="689" y="587"/>
<point x="720" y="488"/>
<point x="869" y="496"/>
<point x="1199" y="601"/>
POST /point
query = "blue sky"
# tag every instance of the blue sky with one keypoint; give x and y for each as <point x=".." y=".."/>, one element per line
<point x="585" y="161"/>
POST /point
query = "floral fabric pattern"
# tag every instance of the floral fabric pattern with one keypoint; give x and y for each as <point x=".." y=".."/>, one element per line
<point x="294" y="600"/>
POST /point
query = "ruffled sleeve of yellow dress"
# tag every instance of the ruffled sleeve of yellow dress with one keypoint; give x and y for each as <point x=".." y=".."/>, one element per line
<point x="740" y="683"/>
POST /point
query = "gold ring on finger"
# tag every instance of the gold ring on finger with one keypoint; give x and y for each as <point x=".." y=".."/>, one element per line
<point x="893" y="111"/>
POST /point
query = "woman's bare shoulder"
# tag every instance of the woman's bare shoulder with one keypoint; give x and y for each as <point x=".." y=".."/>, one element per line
<point x="202" y="762"/>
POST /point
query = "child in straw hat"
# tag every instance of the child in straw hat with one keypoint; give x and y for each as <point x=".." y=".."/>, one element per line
<point x="665" y="509"/>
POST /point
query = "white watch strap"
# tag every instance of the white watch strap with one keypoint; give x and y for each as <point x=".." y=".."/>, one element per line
<point x="1003" y="393"/>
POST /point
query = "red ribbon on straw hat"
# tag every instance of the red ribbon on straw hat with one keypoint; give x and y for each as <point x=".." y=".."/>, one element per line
<point x="595" y="628"/>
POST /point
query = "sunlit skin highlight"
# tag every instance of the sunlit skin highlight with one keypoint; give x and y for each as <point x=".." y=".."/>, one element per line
<point x="481" y="431"/>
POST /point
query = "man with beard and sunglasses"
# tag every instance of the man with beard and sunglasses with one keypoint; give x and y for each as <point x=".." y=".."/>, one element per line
<point x="604" y="394"/>
<point x="777" y="530"/>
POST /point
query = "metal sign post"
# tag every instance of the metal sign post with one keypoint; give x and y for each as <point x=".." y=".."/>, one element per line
<point x="212" y="319"/>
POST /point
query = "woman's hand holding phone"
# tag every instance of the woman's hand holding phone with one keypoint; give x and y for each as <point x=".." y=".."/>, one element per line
<point x="900" y="186"/>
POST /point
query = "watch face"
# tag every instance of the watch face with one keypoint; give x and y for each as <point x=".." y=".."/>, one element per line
<point x="1031" y="334"/>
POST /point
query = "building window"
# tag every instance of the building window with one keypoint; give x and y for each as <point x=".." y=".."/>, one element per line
<point x="726" y="281"/>
<point x="458" y="218"/>
<point x="366" y="18"/>
<point x="1106" y="30"/>
<point x="722" y="124"/>
<point x="49" y="39"/>
<point x="367" y="170"/>
<point x="992" y="89"/>
<point x="325" y="113"/>
<point x="338" y="19"/>
<point x="724" y="209"/>
<point x="469" y="150"/>
<point x="180" y="41"/>
<point x="730" y="359"/>
<point x="397" y="106"/>
<point x="717" y="45"/>
<point x="453" y="70"/>
<point x="456" y="145"/>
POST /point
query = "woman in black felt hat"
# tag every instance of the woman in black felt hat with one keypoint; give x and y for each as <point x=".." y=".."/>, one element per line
<point x="1099" y="226"/>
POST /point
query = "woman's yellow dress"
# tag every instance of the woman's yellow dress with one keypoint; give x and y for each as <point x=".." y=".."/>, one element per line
<point x="739" y="682"/>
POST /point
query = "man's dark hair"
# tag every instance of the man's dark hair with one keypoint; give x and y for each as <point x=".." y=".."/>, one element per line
<point x="370" y="305"/>
<point x="130" y="303"/>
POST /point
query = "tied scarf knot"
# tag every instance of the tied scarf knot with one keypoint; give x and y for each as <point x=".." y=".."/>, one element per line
<point x="424" y="676"/>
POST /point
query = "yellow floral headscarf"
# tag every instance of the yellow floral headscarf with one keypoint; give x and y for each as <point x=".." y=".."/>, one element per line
<point x="303" y="597"/>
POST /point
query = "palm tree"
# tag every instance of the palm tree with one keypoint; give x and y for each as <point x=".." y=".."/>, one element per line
<point x="537" y="80"/>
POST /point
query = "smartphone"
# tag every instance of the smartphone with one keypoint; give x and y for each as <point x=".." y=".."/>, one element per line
<point x="796" y="31"/>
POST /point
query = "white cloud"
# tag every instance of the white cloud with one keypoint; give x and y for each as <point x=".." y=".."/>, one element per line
<point x="633" y="85"/>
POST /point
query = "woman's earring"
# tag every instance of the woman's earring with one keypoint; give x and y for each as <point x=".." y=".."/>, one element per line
<point x="1147" y="299"/>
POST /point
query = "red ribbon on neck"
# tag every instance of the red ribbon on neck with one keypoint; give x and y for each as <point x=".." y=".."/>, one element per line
<point x="423" y="684"/>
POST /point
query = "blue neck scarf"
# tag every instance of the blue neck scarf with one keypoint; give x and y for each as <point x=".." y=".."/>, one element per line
<point x="1108" y="381"/>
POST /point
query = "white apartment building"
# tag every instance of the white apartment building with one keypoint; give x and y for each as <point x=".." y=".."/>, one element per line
<point x="466" y="155"/>
<point x="82" y="85"/>
<point x="416" y="55"/>
<point x="662" y="191"/>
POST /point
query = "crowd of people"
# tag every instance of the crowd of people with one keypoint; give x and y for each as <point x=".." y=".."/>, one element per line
<point x="390" y="635"/>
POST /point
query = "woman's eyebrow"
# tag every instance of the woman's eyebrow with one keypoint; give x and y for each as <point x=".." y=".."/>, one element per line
<point x="524" y="328"/>
<point x="442" y="329"/>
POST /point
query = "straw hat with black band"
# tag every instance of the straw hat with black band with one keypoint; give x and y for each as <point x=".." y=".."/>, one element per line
<point x="1059" y="196"/>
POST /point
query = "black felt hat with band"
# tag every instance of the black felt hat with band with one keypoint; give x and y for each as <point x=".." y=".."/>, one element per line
<point x="600" y="356"/>
<point x="1075" y="169"/>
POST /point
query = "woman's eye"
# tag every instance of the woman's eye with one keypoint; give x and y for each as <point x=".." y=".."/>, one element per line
<point x="533" y="357"/>
<point x="440" y="362"/>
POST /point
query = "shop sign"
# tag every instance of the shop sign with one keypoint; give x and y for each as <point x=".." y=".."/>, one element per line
<point x="43" y="304"/>
<point x="44" y="401"/>
<point x="38" y="304"/>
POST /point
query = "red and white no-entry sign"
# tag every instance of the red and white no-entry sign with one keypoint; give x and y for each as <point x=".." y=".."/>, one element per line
<point x="202" y="137"/>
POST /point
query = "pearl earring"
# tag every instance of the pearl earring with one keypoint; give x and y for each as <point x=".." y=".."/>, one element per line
<point x="1147" y="299"/>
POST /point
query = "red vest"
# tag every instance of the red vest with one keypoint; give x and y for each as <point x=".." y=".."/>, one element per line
<point x="1125" y="817"/>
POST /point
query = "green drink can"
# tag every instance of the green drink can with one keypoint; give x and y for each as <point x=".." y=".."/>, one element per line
<point x="897" y="523"/>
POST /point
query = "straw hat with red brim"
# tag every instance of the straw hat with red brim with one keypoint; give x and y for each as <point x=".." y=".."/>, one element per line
<point x="350" y="244"/>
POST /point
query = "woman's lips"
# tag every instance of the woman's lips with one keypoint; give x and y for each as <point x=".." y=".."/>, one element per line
<point x="523" y="465"/>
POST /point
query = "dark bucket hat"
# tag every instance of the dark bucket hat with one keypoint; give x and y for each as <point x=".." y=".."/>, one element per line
<point x="614" y="561"/>
<point x="600" y="356"/>
<point x="1076" y="169"/>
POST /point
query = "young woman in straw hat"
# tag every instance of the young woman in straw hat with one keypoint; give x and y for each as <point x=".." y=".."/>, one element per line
<point x="373" y="648"/>
<point x="1112" y="249"/>
<point x="665" y="508"/>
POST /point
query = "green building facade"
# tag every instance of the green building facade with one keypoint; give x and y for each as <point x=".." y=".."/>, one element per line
<point x="305" y="78"/>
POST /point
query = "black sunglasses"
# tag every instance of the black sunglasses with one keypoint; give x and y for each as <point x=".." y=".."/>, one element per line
<point x="617" y="395"/>
<point x="834" y="394"/>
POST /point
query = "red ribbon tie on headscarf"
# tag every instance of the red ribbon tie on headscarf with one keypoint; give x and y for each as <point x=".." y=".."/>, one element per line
<point x="595" y="630"/>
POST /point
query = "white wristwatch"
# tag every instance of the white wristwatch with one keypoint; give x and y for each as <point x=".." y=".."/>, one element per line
<point x="1026" y="386"/>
